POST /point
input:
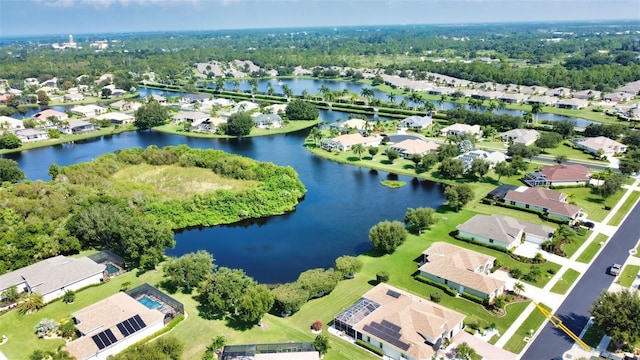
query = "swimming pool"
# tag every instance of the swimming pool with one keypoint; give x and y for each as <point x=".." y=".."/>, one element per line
<point x="112" y="269"/>
<point x="149" y="303"/>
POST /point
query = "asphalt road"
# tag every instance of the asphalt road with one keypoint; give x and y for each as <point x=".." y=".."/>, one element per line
<point x="574" y="311"/>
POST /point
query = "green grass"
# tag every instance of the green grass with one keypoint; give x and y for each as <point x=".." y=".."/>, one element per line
<point x="533" y="321"/>
<point x="563" y="285"/>
<point x="628" y="275"/>
<point x="616" y="219"/>
<point x="592" y="249"/>
<point x="64" y="138"/>
<point x="177" y="182"/>
<point x="566" y="149"/>
<point x="637" y="254"/>
<point x="393" y="184"/>
<point x="570" y="249"/>
<point x="593" y="335"/>
<point x="590" y="201"/>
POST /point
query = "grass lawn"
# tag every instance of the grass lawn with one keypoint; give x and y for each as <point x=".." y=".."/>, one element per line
<point x="592" y="249"/>
<point x="565" y="282"/>
<point x="593" y="335"/>
<point x="566" y="149"/>
<point x="628" y="275"/>
<point x="590" y="201"/>
<point x="570" y="249"/>
<point x="616" y="219"/>
<point x="533" y="321"/>
<point x="637" y="254"/>
<point x="64" y="138"/>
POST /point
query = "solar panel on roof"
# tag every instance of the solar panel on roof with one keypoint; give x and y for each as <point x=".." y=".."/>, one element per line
<point x="98" y="342"/>
<point x="379" y="332"/>
<point x="110" y="335"/>
<point x="104" y="338"/>
<point x="391" y="326"/>
<point x="134" y="324"/>
<point x="139" y="320"/>
<point x="123" y="330"/>
<point x="393" y="294"/>
<point x="128" y="327"/>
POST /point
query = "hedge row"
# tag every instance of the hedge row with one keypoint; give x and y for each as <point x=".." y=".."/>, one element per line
<point x="474" y="298"/>
<point x="471" y="241"/>
<point x="449" y="291"/>
<point x="370" y="347"/>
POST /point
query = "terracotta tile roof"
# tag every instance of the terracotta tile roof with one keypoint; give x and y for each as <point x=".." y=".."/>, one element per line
<point x="416" y="146"/>
<point x="49" y="112"/>
<point x="415" y="317"/>
<point x="545" y="198"/>
<point x="460" y="265"/>
<point x="566" y="172"/>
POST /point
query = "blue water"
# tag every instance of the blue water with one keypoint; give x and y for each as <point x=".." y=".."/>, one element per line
<point x="149" y="303"/>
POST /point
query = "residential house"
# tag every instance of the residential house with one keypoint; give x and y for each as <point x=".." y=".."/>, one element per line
<point x="347" y="141"/>
<point x="209" y="125"/>
<point x="503" y="231"/>
<point x="122" y="105"/>
<point x="245" y="106"/>
<point x="54" y="276"/>
<point x="416" y="122"/>
<point x="267" y="121"/>
<point x="31" y="82"/>
<point x="440" y="91"/>
<point x="49" y="90"/>
<point x="44" y="115"/>
<point x="407" y="148"/>
<point x="561" y="92"/>
<point x="618" y="97"/>
<point x="30" y="135"/>
<point x="221" y="102"/>
<point x="76" y="126"/>
<point x="587" y="95"/>
<point x="159" y="98"/>
<point x="493" y="157"/>
<point x="512" y="98"/>
<point x="552" y="203"/>
<point x="632" y="88"/>
<point x="574" y="104"/>
<point x="400" y="324"/>
<point x="459" y="129"/>
<point x="4" y="98"/>
<point x="192" y="117"/>
<point x="194" y="98"/>
<point x="357" y="124"/>
<point x="520" y="136"/>
<point x="559" y="175"/>
<point x="88" y="111"/>
<point x="542" y="100"/>
<point x="486" y="95"/>
<point x="117" y="118"/>
<point x="53" y="83"/>
<point x="73" y="97"/>
<point x="532" y="90"/>
<point x="595" y="145"/>
<point x="461" y="269"/>
<point x="277" y="108"/>
<point x="10" y="124"/>
<point x="111" y="325"/>
<point x="274" y="351"/>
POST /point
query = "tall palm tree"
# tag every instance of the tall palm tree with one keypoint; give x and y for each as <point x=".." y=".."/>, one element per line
<point x="535" y="110"/>
<point x="236" y="85"/>
<point x="305" y="93"/>
<point x="219" y="84"/>
<point x="518" y="288"/>
<point x="429" y="106"/>
<point x="324" y="90"/>
<point x="392" y="97"/>
<point x="316" y="135"/>
<point x="286" y="90"/>
<point x="31" y="303"/>
<point x="270" y="90"/>
<point x="358" y="149"/>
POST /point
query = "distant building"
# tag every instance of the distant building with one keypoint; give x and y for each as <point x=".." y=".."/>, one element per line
<point x="346" y="142"/>
<point x="117" y="118"/>
<point x="416" y="122"/>
<point x="267" y="121"/>
<point x="574" y="104"/>
<point x="459" y="129"/>
<point x="30" y="135"/>
<point x="594" y="145"/>
<point x="45" y="114"/>
<point x="520" y="136"/>
<point x="493" y="157"/>
<point x="88" y="110"/>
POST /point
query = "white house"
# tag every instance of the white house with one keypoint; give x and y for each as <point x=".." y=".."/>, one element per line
<point x="459" y="129"/>
<point x="52" y="277"/>
<point x="574" y="104"/>
<point x="416" y="122"/>
<point x="503" y="231"/>
<point x="10" y="124"/>
<point x="407" y="148"/>
<point x="111" y="325"/>
<point x="493" y="157"/>
<point x="267" y="121"/>
<point x="347" y="141"/>
<point x="29" y="135"/>
<point x="117" y="118"/>
<point x="88" y="110"/>
<point x="594" y="145"/>
<point x="520" y="136"/>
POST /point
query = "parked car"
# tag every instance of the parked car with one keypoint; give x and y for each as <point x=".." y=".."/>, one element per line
<point x="588" y="224"/>
<point x="614" y="269"/>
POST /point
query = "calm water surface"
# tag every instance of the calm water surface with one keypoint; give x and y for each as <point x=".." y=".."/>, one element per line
<point x="341" y="205"/>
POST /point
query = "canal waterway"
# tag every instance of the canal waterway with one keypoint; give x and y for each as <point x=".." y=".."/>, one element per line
<point x="341" y="205"/>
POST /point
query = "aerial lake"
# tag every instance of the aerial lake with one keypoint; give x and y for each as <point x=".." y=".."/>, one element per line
<point x="342" y="203"/>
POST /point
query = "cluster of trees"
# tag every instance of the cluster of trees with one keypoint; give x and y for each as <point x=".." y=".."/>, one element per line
<point x="86" y="207"/>
<point x="301" y="110"/>
<point x="617" y="313"/>
<point x="150" y="115"/>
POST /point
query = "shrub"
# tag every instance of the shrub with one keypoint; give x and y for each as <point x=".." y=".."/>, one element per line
<point x="538" y="259"/>
<point x="382" y="276"/>
<point x="435" y="297"/>
<point x="69" y="297"/>
<point x="515" y="273"/>
<point x="370" y="347"/>
<point x="317" y="325"/>
<point x="449" y="291"/>
<point x="474" y="298"/>
<point x="68" y="329"/>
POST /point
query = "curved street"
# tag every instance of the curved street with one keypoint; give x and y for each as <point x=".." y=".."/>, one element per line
<point x="551" y="343"/>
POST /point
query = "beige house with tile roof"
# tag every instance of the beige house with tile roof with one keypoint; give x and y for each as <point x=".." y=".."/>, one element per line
<point x="105" y="320"/>
<point x="503" y="231"/>
<point x="409" y="147"/>
<point x="461" y="269"/>
<point x="594" y="145"/>
<point x="402" y="325"/>
<point x="347" y="141"/>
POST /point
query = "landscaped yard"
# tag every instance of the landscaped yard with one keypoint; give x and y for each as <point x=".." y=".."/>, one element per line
<point x="590" y="201"/>
<point x="628" y="275"/>
<point x="616" y="219"/>
<point x="565" y="282"/>
<point x="567" y="150"/>
<point x="570" y="249"/>
<point x="533" y="322"/>
<point x="592" y="249"/>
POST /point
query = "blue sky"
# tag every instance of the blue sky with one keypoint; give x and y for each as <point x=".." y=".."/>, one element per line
<point x="47" y="17"/>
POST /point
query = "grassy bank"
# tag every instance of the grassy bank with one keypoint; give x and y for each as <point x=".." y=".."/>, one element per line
<point x="66" y="138"/>
<point x="628" y="275"/>
<point x="565" y="282"/>
<point x="96" y="100"/>
<point x="624" y="209"/>
<point x="592" y="249"/>
<point x="293" y="126"/>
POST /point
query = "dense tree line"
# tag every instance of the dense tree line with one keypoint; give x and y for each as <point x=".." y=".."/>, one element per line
<point x="85" y="207"/>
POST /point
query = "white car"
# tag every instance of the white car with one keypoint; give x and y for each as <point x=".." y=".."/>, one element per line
<point x="614" y="269"/>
